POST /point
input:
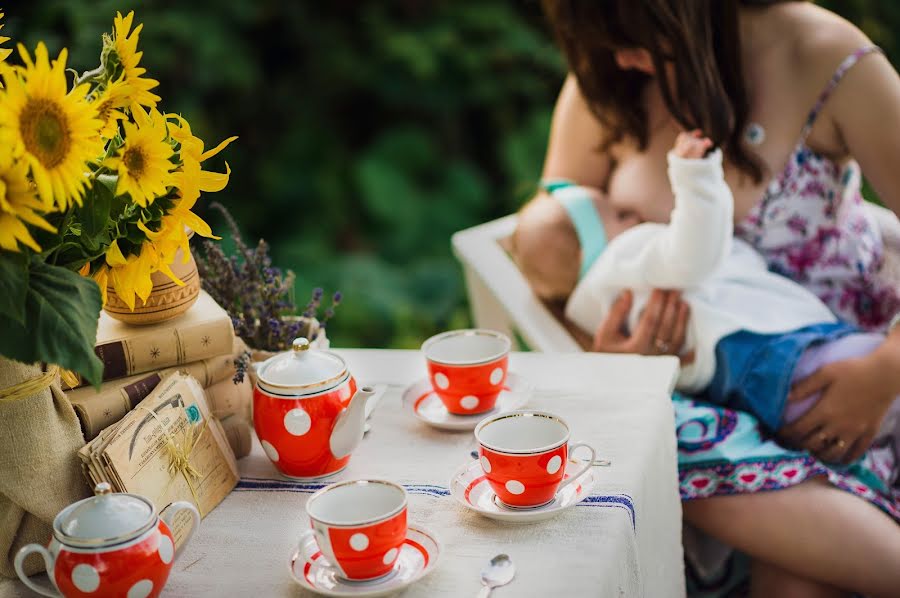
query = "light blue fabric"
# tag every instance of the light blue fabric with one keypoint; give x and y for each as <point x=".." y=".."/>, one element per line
<point x="588" y="225"/>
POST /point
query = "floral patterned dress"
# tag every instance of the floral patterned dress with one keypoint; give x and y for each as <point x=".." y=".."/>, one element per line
<point x="810" y="226"/>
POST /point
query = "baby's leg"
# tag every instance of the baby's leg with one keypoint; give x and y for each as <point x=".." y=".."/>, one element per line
<point x="846" y="347"/>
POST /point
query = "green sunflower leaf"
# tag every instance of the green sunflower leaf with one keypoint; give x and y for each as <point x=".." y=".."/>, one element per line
<point x="60" y="323"/>
<point x="13" y="285"/>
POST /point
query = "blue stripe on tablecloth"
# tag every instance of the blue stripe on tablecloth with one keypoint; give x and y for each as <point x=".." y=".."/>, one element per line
<point x="620" y="501"/>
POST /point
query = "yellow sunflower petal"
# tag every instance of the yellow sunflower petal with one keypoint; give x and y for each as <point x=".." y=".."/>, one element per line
<point x="114" y="255"/>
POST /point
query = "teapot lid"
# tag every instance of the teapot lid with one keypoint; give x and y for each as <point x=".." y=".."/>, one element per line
<point x="104" y="519"/>
<point x="302" y="369"/>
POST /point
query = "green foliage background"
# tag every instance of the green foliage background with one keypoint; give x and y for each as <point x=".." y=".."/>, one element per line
<point x="370" y="130"/>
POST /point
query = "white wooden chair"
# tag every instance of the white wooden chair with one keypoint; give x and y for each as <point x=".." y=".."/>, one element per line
<point x="499" y="296"/>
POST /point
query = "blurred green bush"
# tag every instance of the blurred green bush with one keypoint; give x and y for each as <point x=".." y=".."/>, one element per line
<point x="370" y="130"/>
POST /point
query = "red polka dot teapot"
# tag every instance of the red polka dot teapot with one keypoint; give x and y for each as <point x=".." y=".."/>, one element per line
<point x="307" y="411"/>
<point x="112" y="544"/>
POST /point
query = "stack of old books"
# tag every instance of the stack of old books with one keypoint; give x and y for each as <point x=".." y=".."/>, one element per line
<point x="200" y="342"/>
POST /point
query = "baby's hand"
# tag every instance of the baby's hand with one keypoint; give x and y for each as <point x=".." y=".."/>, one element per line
<point x="692" y="145"/>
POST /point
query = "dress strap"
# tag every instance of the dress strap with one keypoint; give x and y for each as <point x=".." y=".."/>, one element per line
<point x="845" y="66"/>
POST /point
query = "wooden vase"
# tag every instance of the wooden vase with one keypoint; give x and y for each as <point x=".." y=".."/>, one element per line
<point x="167" y="299"/>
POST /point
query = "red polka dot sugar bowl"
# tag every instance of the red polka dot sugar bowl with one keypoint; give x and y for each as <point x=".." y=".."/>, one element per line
<point x="467" y="368"/>
<point x="112" y="544"/>
<point x="307" y="411"/>
<point x="524" y="455"/>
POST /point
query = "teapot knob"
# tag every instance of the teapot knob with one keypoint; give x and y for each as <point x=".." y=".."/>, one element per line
<point x="300" y="344"/>
<point x="102" y="488"/>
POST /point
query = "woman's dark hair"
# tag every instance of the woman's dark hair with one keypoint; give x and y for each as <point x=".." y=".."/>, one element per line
<point x="699" y="37"/>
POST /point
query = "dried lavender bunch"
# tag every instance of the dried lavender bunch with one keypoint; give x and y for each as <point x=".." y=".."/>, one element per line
<point x="258" y="296"/>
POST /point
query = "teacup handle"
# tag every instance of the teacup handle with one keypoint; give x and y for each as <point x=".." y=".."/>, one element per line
<point x="49" y="562"/>
<point x="168" y="515"/>
<point x="587" y="464"/>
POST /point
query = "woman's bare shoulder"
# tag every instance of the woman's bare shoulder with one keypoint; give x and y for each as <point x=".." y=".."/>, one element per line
<point x="819" y="40"/>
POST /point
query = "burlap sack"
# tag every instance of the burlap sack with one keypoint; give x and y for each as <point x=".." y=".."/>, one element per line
<point x="39" y="468"/>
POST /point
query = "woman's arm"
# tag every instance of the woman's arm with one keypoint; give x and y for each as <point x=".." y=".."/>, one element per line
<point x="865" y="110"/>
<point x="575" y="137"/>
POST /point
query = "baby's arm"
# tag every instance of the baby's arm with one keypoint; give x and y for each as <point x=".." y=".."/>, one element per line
<point x="687" y="250"/>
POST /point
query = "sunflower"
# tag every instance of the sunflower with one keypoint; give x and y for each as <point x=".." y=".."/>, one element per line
<point x="125" y="45"/>
<point x="108" y="103"/>
<point x="18" y="205"/>
<point x="130" y="276"/>
<point x="190" y="179"/>
<point x="55" y="132"/>
<point x="143" y="161"/>
<point x="4" y="52"/>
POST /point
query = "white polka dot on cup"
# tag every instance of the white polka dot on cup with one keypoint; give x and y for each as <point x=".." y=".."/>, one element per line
<point x="85" y="578"/>
<point x="515" y="487"/>
<point x="485" y="464"/>
<point x="554" y="464"/>
<point x="497" y="376"/>
<point x="359" y="542"/>
<point x="389" y="556"/>
<point x="297" y="422"/>
<point x="166" y="549"/>
<point x="271" y="451"/>
<point x="442" y="381"/>
<point x="141" y="589"/>
<point x="469" y="402"/>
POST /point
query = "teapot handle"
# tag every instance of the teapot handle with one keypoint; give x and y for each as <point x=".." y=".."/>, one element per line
<point x="49" y="562"/>
<point x="168" y="515"/>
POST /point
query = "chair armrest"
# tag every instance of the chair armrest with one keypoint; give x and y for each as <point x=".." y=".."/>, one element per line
<point x="488" y="265"/>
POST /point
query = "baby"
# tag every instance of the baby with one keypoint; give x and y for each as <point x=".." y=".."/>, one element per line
<point x="753" y="332"/>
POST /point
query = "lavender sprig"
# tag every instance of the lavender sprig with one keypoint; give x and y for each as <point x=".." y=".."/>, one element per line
<point x="257" y="295"/>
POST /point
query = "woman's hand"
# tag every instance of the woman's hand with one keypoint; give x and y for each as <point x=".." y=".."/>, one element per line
<point x="661" y="329"/>
<point x="856" y="394"/>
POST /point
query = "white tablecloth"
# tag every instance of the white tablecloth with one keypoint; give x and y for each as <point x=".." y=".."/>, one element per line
<point x="624" y="540"/>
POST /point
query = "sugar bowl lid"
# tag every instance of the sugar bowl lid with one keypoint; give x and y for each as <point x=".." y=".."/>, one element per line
<point x="104" y="519"/>
<point x="302" y="369"/>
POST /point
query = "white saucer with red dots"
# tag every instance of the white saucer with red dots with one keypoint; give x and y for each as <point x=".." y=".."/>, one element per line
<point x="471" y="489"/>
<point x="421" y="400"/>
<point x="418" y="557"/>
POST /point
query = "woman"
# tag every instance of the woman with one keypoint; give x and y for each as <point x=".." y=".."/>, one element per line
<point x="791" y="93"/>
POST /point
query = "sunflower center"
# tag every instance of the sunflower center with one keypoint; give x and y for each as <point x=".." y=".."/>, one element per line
<point x="134" y="160"/>
<point x="45" y="131"/>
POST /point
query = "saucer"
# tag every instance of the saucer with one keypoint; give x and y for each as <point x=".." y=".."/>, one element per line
<point x="418" y="556"/>
<point x="423" y="402"/>
<point x="471" y="489"/>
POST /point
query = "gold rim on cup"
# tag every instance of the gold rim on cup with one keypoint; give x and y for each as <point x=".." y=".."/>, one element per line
<point x="467" y="332"/>
<point x="524" y="413"/>
<point x="361" y="522"/>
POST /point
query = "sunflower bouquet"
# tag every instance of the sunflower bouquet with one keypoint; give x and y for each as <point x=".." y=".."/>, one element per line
<point x="97" y="188"/>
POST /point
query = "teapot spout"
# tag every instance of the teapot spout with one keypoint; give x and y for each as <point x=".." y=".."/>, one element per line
<point x="348" y="429"/>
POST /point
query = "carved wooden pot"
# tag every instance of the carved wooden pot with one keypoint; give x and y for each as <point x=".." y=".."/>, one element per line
<point x="166" y="300"/>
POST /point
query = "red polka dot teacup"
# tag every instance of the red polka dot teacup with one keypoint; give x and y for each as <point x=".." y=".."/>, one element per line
<point x="113" y="544"/>
<point x="360" y="526"/>
<point x="523" y="455"/>
<point x="467" y="368"/>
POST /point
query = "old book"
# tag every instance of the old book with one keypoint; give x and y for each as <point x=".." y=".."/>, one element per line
<point x="169" y="448"/>
<point x="227" y="398"/>
<point x="237" y="430"/>
<point x="203" y="331"/>
<point x="97" y="410"/>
